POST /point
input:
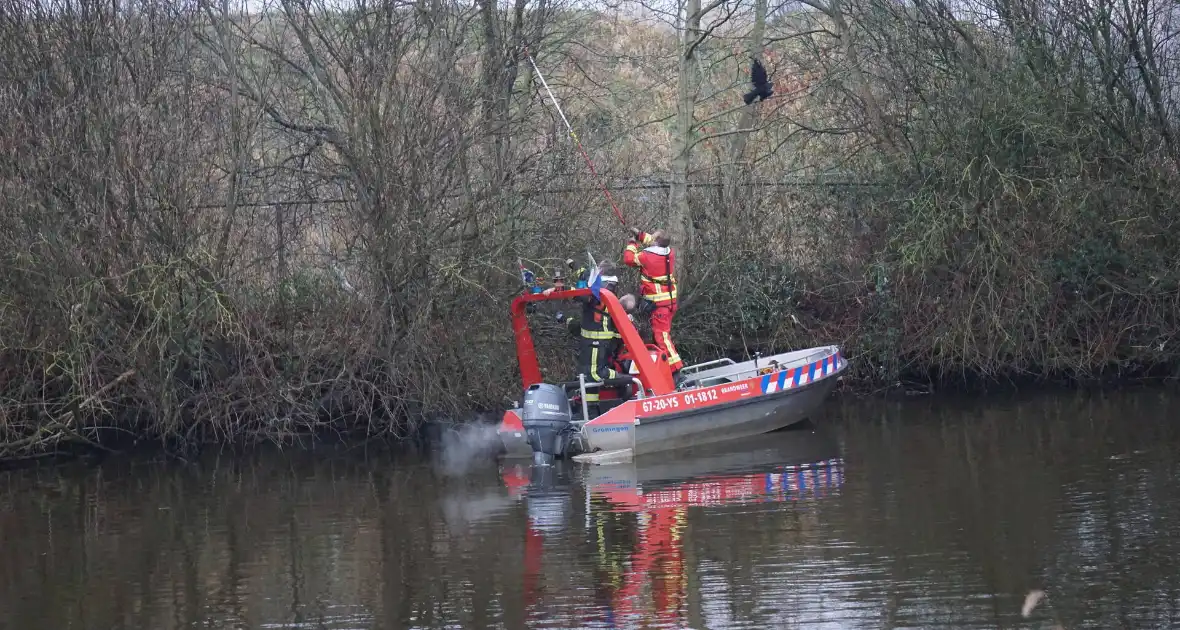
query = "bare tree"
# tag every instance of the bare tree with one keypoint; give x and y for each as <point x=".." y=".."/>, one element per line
<point x="229" y="224"/>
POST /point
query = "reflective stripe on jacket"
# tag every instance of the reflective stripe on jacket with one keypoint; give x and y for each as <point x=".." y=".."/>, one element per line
<point x="596" y="322"/>
<point x="656" y="268"/>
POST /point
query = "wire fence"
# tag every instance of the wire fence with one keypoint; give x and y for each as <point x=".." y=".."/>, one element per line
<point x="648" y="185"/>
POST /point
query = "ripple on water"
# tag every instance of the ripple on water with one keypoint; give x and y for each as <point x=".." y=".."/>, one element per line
<point x="934" y="517"/>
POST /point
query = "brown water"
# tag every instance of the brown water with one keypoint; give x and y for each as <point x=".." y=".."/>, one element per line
<point x="920" y="514"/>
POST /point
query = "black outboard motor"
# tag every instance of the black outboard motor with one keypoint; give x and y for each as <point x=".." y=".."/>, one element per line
<point x="547" y="422"/>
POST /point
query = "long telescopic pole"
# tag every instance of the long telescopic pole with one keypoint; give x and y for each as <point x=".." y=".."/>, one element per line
<point x="573" y="135"/>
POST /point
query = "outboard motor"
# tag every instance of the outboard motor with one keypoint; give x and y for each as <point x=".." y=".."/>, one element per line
<point x="547" y="422"/>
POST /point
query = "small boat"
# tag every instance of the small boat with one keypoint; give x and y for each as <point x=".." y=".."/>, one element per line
<point x="645" y="411"/>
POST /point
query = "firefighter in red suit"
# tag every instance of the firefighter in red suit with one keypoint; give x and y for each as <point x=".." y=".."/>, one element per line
<point x="657" y="263"/>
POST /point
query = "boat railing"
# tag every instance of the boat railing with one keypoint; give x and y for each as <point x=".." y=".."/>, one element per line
<point x="750" y="369"/>
<point x="693" y="369"/>
<point x="736" y="372"/>
<point x="584" y="385"/>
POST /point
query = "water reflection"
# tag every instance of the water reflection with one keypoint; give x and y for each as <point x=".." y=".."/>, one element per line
<point x="641" y="577"/>
<point x="927" y="514"/>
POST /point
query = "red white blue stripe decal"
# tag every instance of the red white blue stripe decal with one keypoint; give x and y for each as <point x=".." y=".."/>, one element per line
<point x="794" y="377"/>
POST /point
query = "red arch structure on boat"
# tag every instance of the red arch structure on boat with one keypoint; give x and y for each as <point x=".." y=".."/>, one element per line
<point x="655" y="376"/>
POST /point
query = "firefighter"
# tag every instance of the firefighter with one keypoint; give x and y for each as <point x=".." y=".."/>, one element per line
<point x="599" y="340"/>
<point x="656" y="263"/>
<point x="599" y="337"/>
<point x="574" y="324"/>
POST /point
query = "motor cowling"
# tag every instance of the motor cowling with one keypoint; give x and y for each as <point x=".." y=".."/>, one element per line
<point x="547" y="421"/>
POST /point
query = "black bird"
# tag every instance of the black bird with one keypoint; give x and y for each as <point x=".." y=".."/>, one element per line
<point x="763" y="89"/>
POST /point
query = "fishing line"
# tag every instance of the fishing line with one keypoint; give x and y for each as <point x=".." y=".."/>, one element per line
<point x="573" y="135"/>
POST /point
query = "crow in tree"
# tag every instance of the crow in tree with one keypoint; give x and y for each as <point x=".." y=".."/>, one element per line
<point x="763" y="89"/>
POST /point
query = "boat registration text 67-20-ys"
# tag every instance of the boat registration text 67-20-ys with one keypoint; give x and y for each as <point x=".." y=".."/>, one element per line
<point x="696" y="398"/>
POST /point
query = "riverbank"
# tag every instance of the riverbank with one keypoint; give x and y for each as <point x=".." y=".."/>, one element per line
<point x="222" y="254"/>
<point x="977" y="386"/>
<point x="102" y="439"/>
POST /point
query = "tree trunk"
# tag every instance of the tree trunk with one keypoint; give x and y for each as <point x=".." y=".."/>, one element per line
<point x="679" y="219"/>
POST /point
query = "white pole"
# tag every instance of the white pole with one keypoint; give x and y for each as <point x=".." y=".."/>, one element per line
<point x="551" y="96"/>
<point x="574" y="136"/>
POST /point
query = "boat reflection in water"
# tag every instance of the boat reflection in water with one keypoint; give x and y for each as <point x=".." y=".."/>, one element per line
<point x="660" y="491"/>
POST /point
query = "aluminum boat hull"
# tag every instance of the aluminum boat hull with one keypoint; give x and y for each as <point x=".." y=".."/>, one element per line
<point x="728" y="403"/>
<point x="723" y="423"/>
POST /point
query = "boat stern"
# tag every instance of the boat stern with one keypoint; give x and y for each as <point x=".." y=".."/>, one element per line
<point x="613" y="430"/>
